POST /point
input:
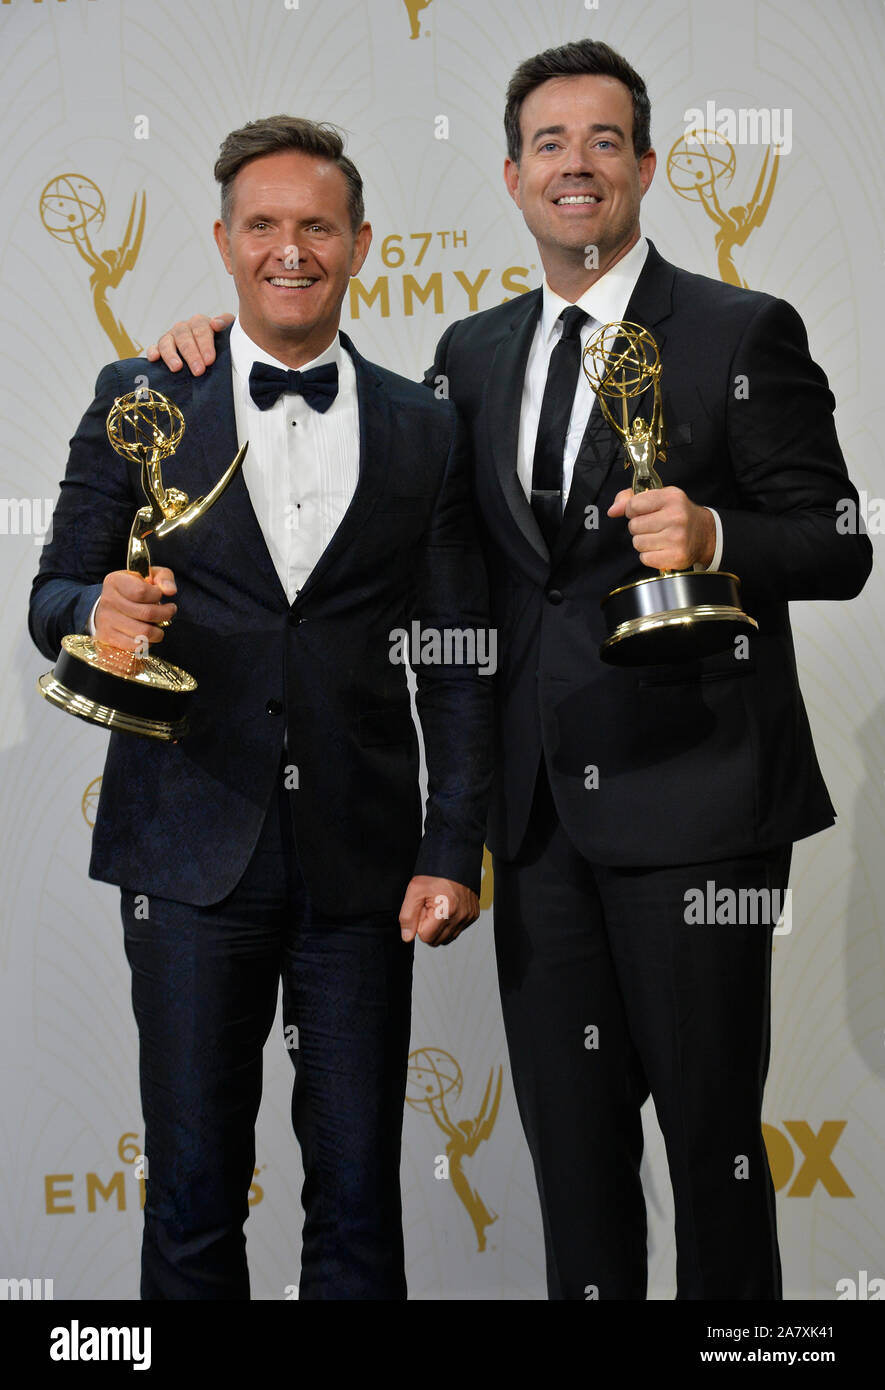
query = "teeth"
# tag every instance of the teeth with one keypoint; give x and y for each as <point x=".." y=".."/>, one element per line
<point x="577" y="198"/>
<point x="290" y="284"/>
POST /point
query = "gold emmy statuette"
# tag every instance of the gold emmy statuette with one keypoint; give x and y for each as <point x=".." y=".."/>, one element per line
<point x="129" y="690"/>
<point x="676" y="615"/>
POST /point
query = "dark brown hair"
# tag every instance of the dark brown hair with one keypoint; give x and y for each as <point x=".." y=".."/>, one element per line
<point x="585" y="57"/>
<point x="275" y="133"/>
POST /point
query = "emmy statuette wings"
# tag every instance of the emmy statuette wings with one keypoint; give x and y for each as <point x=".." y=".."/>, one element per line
<point x="129" y="690"/>
<point x="676" y="615"/>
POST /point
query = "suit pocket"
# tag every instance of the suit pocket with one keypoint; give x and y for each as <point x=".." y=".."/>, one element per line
<point x="678" y="434"/>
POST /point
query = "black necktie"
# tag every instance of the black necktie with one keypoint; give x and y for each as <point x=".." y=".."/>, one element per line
<point x="556" y="408"/>
<point x="319" y="386"/>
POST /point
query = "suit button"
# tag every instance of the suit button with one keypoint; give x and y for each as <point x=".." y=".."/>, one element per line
<point x="295" y="619"/>
<point x="274" y="707"/>
<point x="554" y="596"/>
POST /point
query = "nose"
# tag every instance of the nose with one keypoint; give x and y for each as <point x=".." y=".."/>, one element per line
<point x="290" y="254"/>
<point x="577" y="159"/>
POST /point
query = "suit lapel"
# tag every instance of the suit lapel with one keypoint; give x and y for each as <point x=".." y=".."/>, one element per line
<point x="214" y="423"/>
<point x="503" y="405"/>
<point x="602" y="448"/>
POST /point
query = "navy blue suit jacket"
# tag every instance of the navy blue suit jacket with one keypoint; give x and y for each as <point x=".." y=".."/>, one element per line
<point x="182" y="820"/>
<point x="667" y="764"/>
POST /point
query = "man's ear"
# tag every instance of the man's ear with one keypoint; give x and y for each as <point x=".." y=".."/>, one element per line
<point x="223" y="243"/>
<point x="511" y="178"/>
<point x="647" y="165"/>
<point x="361" y="243"/>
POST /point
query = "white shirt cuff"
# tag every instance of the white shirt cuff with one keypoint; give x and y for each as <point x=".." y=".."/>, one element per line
<point x="90" y="626"/>
<point x="717" y="553"/>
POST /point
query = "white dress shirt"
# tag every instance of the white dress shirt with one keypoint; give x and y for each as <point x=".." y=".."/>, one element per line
<point x="605" y="302"/>
<point x="302" y="467"/>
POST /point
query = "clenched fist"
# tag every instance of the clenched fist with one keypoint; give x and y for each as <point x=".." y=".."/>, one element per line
<point x="669" y="530"/>
<point x="131" y="609"/>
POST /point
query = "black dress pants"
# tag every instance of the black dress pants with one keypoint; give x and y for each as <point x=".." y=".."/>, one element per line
<point x="610" y="990"/>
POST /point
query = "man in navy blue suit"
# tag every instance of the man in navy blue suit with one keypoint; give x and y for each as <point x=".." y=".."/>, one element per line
<point x="282" y="837"/>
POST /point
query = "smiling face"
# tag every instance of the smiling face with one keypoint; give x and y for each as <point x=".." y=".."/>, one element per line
<point x="578" y="181"/>
<point x="291" y="250"/>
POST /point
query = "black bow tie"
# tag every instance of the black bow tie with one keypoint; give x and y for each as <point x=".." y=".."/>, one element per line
<point x="319" y="386"/>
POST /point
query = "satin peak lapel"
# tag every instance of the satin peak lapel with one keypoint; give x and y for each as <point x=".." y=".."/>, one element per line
<point x="503" y="403"/>
<point x="214" y="423"/>
<point x="374" y="417"/>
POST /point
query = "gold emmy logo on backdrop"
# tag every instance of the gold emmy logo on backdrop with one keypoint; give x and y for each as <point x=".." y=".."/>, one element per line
<point x="69" y="205"/>
<point x="129" y="690"/>
<point x="414" y="8"/>
<point x="89" y="803"/>
<point x="434" y="1075"/>
<point x="703" y="161"/>
<point x="675" y="615"/>
<point x="63" y="1193"/>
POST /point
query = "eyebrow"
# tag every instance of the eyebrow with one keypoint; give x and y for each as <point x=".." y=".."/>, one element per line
<point x="306" y="221"/>
<point x="594" y="130"/>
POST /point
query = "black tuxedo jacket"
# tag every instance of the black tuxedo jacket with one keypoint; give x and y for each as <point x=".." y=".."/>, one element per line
<point x="182" y="820"/>
<point x="694" y="762"/>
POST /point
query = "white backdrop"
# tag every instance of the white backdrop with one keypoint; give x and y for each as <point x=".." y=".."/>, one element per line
<point x="135" y="96"/>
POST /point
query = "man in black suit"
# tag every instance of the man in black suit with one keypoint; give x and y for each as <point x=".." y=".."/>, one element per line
<point x="281" y="838"/>
<point x="619" y="795"/>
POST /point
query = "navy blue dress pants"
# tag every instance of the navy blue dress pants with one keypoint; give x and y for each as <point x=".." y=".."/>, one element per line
<point x="204" y="990"/>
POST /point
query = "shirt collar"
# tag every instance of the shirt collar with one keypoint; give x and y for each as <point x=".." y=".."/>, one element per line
<point x="606" y="300"/>
<point x="244" y="352"/>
